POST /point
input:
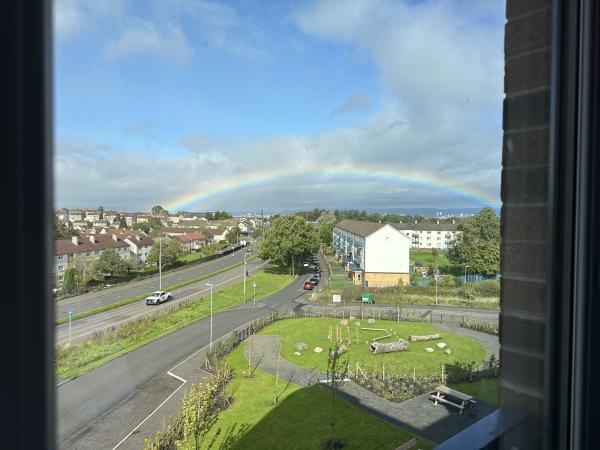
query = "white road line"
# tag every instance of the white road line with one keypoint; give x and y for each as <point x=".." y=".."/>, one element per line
<point x="64" y="381"/>
<point x="184" y="381"/>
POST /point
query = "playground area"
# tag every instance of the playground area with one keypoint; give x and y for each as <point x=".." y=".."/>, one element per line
<point x="372" y="344"/>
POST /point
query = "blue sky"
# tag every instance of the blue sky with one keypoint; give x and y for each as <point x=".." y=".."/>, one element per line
<point x="195" y="93"/>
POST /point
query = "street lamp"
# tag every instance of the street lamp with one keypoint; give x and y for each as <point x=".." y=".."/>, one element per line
<point x="160" y="263"/>
<point x="466" y="273"/>
<point x="211" y="319"/>
<point x="254" y="297"/>
<point x="244" y="277"/>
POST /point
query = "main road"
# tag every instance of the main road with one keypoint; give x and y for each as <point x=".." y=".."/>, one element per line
<point x="90" y="300"/>
<point x="82" y="329"/>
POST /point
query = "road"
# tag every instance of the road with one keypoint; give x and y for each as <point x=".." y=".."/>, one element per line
<point x="90" y="300"/>
<point x="83" y="401"/>
<point x="85" y="328"/>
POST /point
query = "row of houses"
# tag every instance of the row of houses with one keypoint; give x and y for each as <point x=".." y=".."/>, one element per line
<point x="377" y="254"/>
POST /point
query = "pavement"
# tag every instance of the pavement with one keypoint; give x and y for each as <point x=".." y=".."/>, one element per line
<point x="418" y="415"/>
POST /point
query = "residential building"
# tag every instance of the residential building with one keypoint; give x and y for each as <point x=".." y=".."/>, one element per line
<point x="92" y="215"/>
<point x="192" y="241"/>
<point x="216" y="235"/>
<point x="429" y="235"/>
<point x="130" y="219"/>
<point x="76" y="215"/>
<point x="375" y="254"/>
<point x="82" y="253"/>
<point x="110" y="216"/>
<point x="81" y="225"/>
<point x="139" y="246"/>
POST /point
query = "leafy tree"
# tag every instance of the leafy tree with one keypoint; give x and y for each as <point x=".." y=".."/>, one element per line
<point x="232" y="235"/>
<point x="170" y="252"/>
<point x="70" y="281"/>
<point x="337" y="371"/>
<point x="122" y="222"/>
<point x="478" y="244"/>
<point x="144" y="226"/>
<point x="101" y="209"/>
<point x="60" y="230"/>
<point x="326" y="222"/>
<point x="287" y="241"/>
<point x="110" y="262"/>
<point x="159" y="211"/>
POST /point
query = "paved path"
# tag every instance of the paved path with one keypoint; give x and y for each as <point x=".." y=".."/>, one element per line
<point x="490" y="342"/>
<point x="418" y="415"/>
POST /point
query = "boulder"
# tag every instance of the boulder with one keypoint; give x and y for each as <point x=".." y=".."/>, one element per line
<point x="429" y="350"/>
<point x="297" y="353"/>
<point x="448" y="351"/>
<point x="343" y="322"/>
<point x="318" y="350"/>
<point x="441" y="345"/>
<point x="371" y="320"/>
<point x="301" y="346"/>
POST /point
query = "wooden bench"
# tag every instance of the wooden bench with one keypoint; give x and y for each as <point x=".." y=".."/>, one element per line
<point x="442" y="393"/>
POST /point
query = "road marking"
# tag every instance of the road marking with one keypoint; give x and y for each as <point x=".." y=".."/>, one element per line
<point x="64" y="381"/>
<point x="184" y="381"/>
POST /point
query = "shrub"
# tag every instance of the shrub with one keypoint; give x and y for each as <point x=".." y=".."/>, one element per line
<point x="448" y="281"/>
<point x="487" y="288"/>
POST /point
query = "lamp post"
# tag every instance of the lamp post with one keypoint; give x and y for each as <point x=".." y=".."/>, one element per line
<point x="244" y="277"/>
<point x="436" y="289"/>
<point x="254" y="296"/>
<point x="160" y="263"/>
<point x="466" y="274"/>
<point x="211" y="316"/>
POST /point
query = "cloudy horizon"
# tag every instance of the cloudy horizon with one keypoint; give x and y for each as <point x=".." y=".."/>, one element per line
<point x="252" y="105"/>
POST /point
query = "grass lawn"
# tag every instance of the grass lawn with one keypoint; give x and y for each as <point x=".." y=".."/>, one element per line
<point x="424" y="258"/>
<point x="189" y="257"/>
<point x="80" y="358"/>
<point x="487" y="389"/>
<point x="313" y="331"/>
<point x="299" y="421"/>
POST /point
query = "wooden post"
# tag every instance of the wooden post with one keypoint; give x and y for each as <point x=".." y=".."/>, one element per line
<point x="414" y="374"/>
<point x="348" y="330"/>
<point x="383" y="372"/>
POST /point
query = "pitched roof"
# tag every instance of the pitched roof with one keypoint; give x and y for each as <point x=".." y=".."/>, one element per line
<point x="359" y="228"/>
<point x="101" y="242"/>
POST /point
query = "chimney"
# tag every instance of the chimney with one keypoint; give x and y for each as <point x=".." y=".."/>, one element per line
<point x="92" y="238"/>
<point x="137" y="236"/>
<point x="114" y="237"/>
<point x="75" y="240"/>
<point x="415" y="221"/>
<point x="438" y="222"/>
<point x="453" y="221"/>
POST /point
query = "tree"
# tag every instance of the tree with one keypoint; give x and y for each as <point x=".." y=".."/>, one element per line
<point x="110" y="262"/>
<point x="336" y="373"/>
<point x="159" y="211"/>
<point x="232" y="235"/>
<point x="287" y="241"/>
<point x="478" y="245"/>
<point x="70" y="281"/>
<point x="60" y="230"/>
<point x="326" y="222"/>
<point x="101" y="209"/>
<point x="122" y="222"/>
<point x="170" y="252"/>
<point x="144" y="226"/>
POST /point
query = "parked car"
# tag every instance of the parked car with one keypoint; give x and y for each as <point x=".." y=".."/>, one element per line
<point x="309" y="286"/>
<point x="314" y="280"/>
<point x="306" y="264"/>
<point x="158" y="297"/>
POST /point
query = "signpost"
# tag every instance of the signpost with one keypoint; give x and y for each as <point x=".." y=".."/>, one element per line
<point x="70" y="316"/>
<point x="337" y="298"/>
<point x="254" y="297"/>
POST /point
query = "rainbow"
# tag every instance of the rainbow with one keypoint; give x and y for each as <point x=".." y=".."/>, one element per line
<point x="231" y="184"/>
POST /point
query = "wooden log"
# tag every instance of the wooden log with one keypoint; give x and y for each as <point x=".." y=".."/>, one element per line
<point x="428" y="337"/>
<point x="397" y="346"/>
<point x="380" y="338"/>
<point x="374" y="329"/>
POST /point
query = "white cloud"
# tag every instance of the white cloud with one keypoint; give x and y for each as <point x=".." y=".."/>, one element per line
<point x="71" y="17"/>
<point x="143" y="37"/>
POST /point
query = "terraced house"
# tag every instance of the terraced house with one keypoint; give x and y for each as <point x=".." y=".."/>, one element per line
<point x="375" y="254"/>
<point x="429" y="235"/>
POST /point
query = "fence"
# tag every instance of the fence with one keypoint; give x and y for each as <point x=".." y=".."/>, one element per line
<point x="397" y="314"/>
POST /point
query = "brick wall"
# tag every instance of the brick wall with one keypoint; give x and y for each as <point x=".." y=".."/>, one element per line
<point x="525" y="212"/>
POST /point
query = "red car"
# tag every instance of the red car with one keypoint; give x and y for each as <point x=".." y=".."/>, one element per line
<point x="308" y="286"/>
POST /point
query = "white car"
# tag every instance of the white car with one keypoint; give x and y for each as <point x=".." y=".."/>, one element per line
<point x="158" y="297"/>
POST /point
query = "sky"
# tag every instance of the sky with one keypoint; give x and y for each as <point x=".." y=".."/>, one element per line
<point x="278" y="105"/>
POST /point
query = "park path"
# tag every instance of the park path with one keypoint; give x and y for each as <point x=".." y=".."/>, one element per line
<point x="418" y="415"/>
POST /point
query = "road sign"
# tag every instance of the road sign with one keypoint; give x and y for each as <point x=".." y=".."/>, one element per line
<point x="69" y="313"/>
<point x="337" y="298"/>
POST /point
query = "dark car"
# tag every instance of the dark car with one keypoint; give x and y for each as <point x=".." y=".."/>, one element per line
<point x="314" y="280"/>
<point x="308" y="286"/>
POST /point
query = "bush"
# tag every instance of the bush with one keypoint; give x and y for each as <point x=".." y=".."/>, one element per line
<point x="487" y="288"/>
<point x="467" y="293"/>
<point x="448" y="281"/>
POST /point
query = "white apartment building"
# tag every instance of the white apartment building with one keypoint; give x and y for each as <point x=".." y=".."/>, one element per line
<point x="375" y="254"/>
<point x="429" y="235"/>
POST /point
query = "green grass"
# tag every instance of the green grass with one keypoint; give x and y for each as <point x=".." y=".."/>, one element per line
<point x="193" y="256"/>
<point x="136" y="298"/>
<point x="314" y="331"/>
<point x="299" y="421"/>
<point x="77" y="359"/>
<point x="425" y="258"/>
<point x="487" y="389"/>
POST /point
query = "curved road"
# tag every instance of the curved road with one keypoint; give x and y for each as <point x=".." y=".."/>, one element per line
<point x="90" y="300"/>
